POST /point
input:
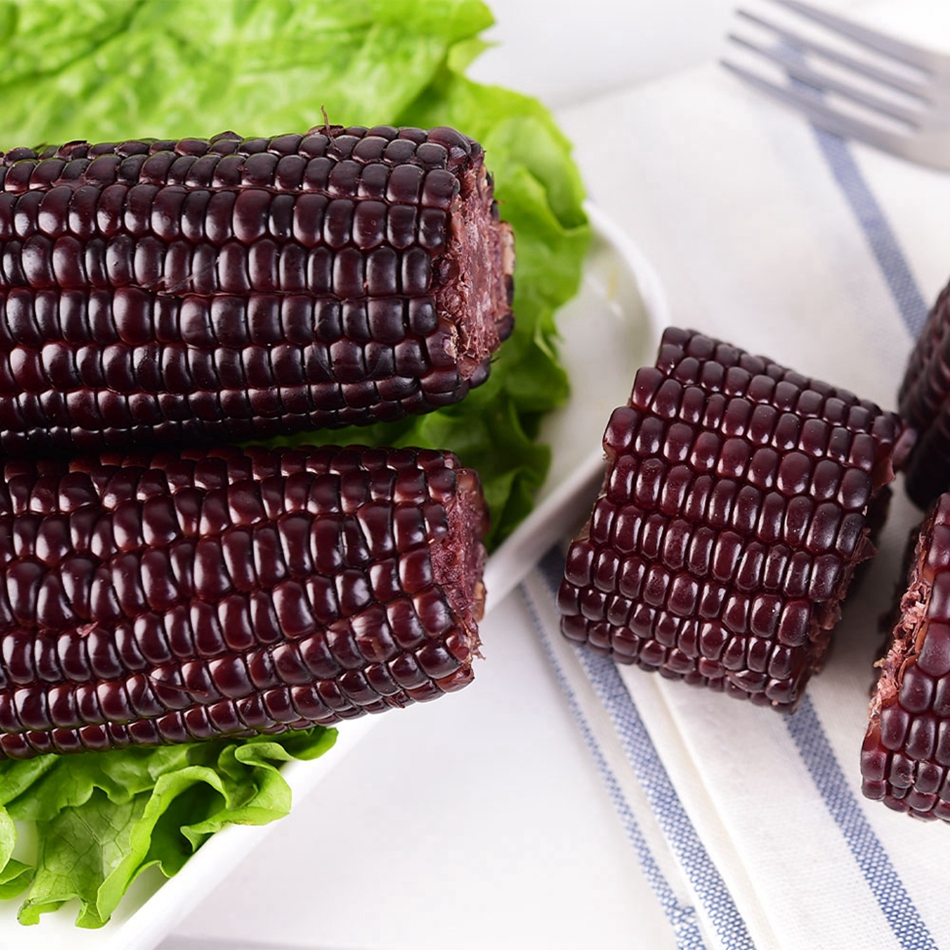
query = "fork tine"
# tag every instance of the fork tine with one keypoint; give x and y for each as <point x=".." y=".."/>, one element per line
<point x="820" y="114"/>
<point x="868" y="70"/>
<point x="804" y="73"/>
<point x="888" y="45"/>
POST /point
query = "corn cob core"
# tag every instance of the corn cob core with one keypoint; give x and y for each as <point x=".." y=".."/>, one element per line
<point x="734" y="511"/>
<point x="196" y="290"/>
<point x="905" y="761"/>
<point x="179" y="597"/>
<point x="924" y="404"/>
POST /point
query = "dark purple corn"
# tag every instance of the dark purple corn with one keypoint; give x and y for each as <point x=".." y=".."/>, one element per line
<point x="195" y="291"/>
<point x="733" y="514"/>
<point x="150" y="600"/>
<point x="905" y="761"/>
<point x="924" y="405"/>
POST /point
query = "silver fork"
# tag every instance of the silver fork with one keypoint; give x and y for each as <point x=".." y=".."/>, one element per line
<point x="903" y="89"/>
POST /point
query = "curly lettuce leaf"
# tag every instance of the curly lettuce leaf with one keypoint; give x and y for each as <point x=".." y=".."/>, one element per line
<point x="103" y="818"/>
<point x="109" y="69"/>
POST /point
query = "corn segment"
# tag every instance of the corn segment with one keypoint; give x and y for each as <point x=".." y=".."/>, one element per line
<point x="923" y="404"/>
<point x="147" y="600"/>
<point x="906" y="753"/>
<point x="738" y="500"/>
<point x="192" y="291"/>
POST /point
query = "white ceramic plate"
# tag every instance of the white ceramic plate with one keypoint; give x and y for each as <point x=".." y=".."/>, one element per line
<point x="608" y="330"/>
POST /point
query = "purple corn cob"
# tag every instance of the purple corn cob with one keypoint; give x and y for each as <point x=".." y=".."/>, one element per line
<point x="195" y="291"/>
<point x="737" y="503"/>
<point x="924" y="405"/>
<point x="905" y="761"/>
<point x="183" y="596"/>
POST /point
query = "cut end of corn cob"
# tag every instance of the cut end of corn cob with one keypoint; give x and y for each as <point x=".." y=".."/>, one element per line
<point x="196" y="290"/>
<point x="148" y="600"/>
<point x="476" y="274"/>
<point x="906" y="753"/>
<point x="738" y="500"/>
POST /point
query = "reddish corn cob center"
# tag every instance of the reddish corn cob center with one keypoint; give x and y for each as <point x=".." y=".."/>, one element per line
<point x="733" y="513"/>
<point x="179" y="597"/>
<point x="906" y="754"/>
<point x="198" y="290"/>
<point x="924" y="404"/>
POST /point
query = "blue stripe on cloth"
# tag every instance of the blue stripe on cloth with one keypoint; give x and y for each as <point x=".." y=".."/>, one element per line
<point x="877" y="229"/>
<point x="898" y="909"/>
<point x="702" y="873"/>
<point x="682" y="917"/>
<point x="805" y="727"/>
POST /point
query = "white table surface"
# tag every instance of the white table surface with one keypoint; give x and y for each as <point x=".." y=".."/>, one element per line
<point x="480" y="822"/>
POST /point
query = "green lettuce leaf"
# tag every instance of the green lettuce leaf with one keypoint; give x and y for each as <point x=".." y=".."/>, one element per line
<point x="110" y="69"/>
<point x="103" y="818"/>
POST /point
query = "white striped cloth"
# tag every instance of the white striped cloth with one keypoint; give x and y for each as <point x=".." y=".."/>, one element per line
<point x="785" y="240"/>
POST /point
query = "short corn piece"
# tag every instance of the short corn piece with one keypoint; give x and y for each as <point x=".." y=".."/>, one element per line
<point x="905" y="761"/>
<point x="167" y="599"/>
<point x="738" y="500"/>
<point x="191" y="291"/>
<point x="924" y="404"/>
